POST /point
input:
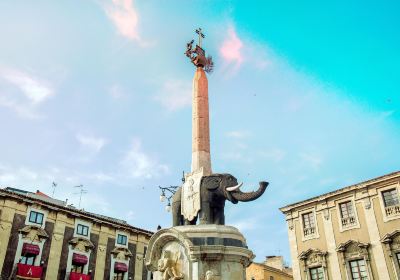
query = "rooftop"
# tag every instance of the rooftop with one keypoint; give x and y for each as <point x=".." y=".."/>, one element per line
<point x="61" y="205"/>
<point x="341" y="190"/>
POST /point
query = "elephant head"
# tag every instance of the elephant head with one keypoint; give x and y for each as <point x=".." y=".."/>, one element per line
<point x="230" y="188"/>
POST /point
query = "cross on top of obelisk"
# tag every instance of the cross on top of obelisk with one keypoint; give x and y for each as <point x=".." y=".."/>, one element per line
<point x="197" y="54"/>
<point x="201" y="35"/>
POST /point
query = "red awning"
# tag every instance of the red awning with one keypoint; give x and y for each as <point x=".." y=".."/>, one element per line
<point x="30" y="249"/>
<point x="29" y="271"/>
<point x="120" y="267"/>
<point x="79" y="259"/>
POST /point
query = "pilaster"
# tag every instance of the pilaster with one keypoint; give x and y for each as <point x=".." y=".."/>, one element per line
<point x="56" y="247"/>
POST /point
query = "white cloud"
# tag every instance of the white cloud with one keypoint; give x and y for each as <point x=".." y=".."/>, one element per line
<point x="90" y="143"/>
<point x="238" y="134"/>
<point x="125" y="18"/>
<point x="22" y="92"/>
<point x="246" y="225"/>
<point x="313" y="160"/>
<point x="175" y="95"/>
<point x="138" y="164"/>
<point x="231" y="49"/>
<point x="274" y="154"/>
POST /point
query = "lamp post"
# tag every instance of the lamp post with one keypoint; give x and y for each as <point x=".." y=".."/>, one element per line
<point x="168" y="192"/>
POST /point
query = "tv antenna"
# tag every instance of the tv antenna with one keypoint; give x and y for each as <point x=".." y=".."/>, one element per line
<point x="54" y="186"/>
<point x="81" y="192"/>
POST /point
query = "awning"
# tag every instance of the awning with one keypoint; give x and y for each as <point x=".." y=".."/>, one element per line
<point x="79" y="259"/>
<point x="120" y="267"/>
<point x="31" y="249"/>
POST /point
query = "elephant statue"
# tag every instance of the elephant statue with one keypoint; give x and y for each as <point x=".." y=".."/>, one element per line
<point x="214" y="190"/>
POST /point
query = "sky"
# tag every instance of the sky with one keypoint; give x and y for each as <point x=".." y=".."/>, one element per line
<point x="98" y="92"/>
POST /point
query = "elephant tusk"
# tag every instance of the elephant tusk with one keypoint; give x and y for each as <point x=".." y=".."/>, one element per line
<point x="234" y="188"/>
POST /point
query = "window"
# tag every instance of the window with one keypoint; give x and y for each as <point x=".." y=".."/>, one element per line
<point x="347" y="214"/>
<point x="271" y="278"/>
<point x="119" y="275"/>
<point x="78" y="268"/>
<point x="391" y="202"/>
<point x="358" y="270"/>
<point x="28" y="259"/>
<point x="121" y="239"/>
<point x="317" y="273"/>
<point x="308" y="223"/>
<point x="36" y="217"/>
<point x="82" y="230"/>
<point x="390" y="198"/>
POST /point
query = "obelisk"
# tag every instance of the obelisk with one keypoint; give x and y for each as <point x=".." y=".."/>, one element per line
<point x="200" y="124"/>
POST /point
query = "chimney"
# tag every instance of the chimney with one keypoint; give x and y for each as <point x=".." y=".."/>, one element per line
<point x="275" y="262"/>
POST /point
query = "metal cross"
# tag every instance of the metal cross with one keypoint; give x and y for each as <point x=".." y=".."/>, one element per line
<point x="201" y="35"/>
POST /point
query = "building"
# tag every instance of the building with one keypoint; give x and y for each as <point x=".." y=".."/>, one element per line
<point x="350" y="233"/>
<point x="272" y="269"/>
<point x="44" y="238"/>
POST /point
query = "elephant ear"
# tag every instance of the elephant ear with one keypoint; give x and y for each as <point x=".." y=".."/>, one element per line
<point x="211" y="182"/>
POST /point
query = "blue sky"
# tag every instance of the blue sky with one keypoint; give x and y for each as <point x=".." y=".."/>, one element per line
<point x="304" y="95"/>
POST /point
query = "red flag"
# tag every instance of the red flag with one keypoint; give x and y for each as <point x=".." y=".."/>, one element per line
<point x="29" y="271"/>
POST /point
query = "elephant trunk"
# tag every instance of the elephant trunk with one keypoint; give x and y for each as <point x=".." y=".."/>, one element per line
<point x="249" y="196"/>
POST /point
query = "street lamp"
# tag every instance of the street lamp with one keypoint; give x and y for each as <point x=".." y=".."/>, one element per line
<point x="168" y="192"/>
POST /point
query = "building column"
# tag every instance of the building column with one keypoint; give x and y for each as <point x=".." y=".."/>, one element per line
<point x="293" y="251"/>
<point x="56" y="247"/>
<point x="333" y="264"/>
<point x="6" y="220"/>
<point x="101" y="254"/>
<point x="139" y="260"/>
<point x="375" y="239"/>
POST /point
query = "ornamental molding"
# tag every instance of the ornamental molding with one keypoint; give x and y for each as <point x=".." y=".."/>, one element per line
<point x="313" y="257"/>
<point x="33" y="233"/>
<point x="392" y="240"/>
<point x="352" y="249"/>
<point x="81" y="244"/>
<point x="121" y="253"/>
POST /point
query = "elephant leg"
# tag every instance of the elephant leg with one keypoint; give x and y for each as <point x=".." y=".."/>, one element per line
<point x="219" y="216"/>
<point x="176" y="214"/>
<point x="205" y="214"/>
<point x="188" y="223"/>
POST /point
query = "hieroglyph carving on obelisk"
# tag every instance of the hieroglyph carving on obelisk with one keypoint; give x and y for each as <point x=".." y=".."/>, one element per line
<point x="201" y="159"/>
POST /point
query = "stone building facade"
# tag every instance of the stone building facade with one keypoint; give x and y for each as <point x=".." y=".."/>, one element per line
<point x="273" y="268"/>
<point x="350" y="233"/>
<point x="43" y="238"/>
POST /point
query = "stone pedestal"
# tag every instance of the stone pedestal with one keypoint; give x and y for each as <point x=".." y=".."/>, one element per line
<point x="198" y="252"/>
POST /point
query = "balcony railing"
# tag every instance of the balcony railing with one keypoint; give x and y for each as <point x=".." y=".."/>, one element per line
<point x="392" y="210"/>
<point x="26" y="271"/>
<point x="348" y="221"/>
<point x="309" y="231"/>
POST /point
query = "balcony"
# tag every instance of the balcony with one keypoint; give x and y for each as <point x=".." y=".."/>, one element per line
<point x="309" y="231"/>
<point x="393" y="210"/>
<point x="348" y="221"/>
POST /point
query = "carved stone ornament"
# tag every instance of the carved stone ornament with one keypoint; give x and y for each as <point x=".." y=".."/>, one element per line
<point x="167" y="265"/>
<point x="392" y="240"/>
<point x="352" y="249"/>
<point x="33" y="233"/>
<point x="191" y="201"/>
<point x="210" y="275"/>
<point x="121" y="253"/>
<point x="313" y="257"/>
<point x="81" y="244"/>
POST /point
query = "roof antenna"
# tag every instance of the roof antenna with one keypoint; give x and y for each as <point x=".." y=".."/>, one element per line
<point x="54" y="186"/>
<point x="81" y="192"/>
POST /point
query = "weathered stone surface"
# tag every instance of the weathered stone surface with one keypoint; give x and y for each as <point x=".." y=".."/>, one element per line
<point x="197" y="253"/>
<point x="200" y="123"/>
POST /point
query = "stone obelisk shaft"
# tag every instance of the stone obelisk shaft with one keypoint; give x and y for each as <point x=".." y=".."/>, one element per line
<point x="200" y="124"/>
